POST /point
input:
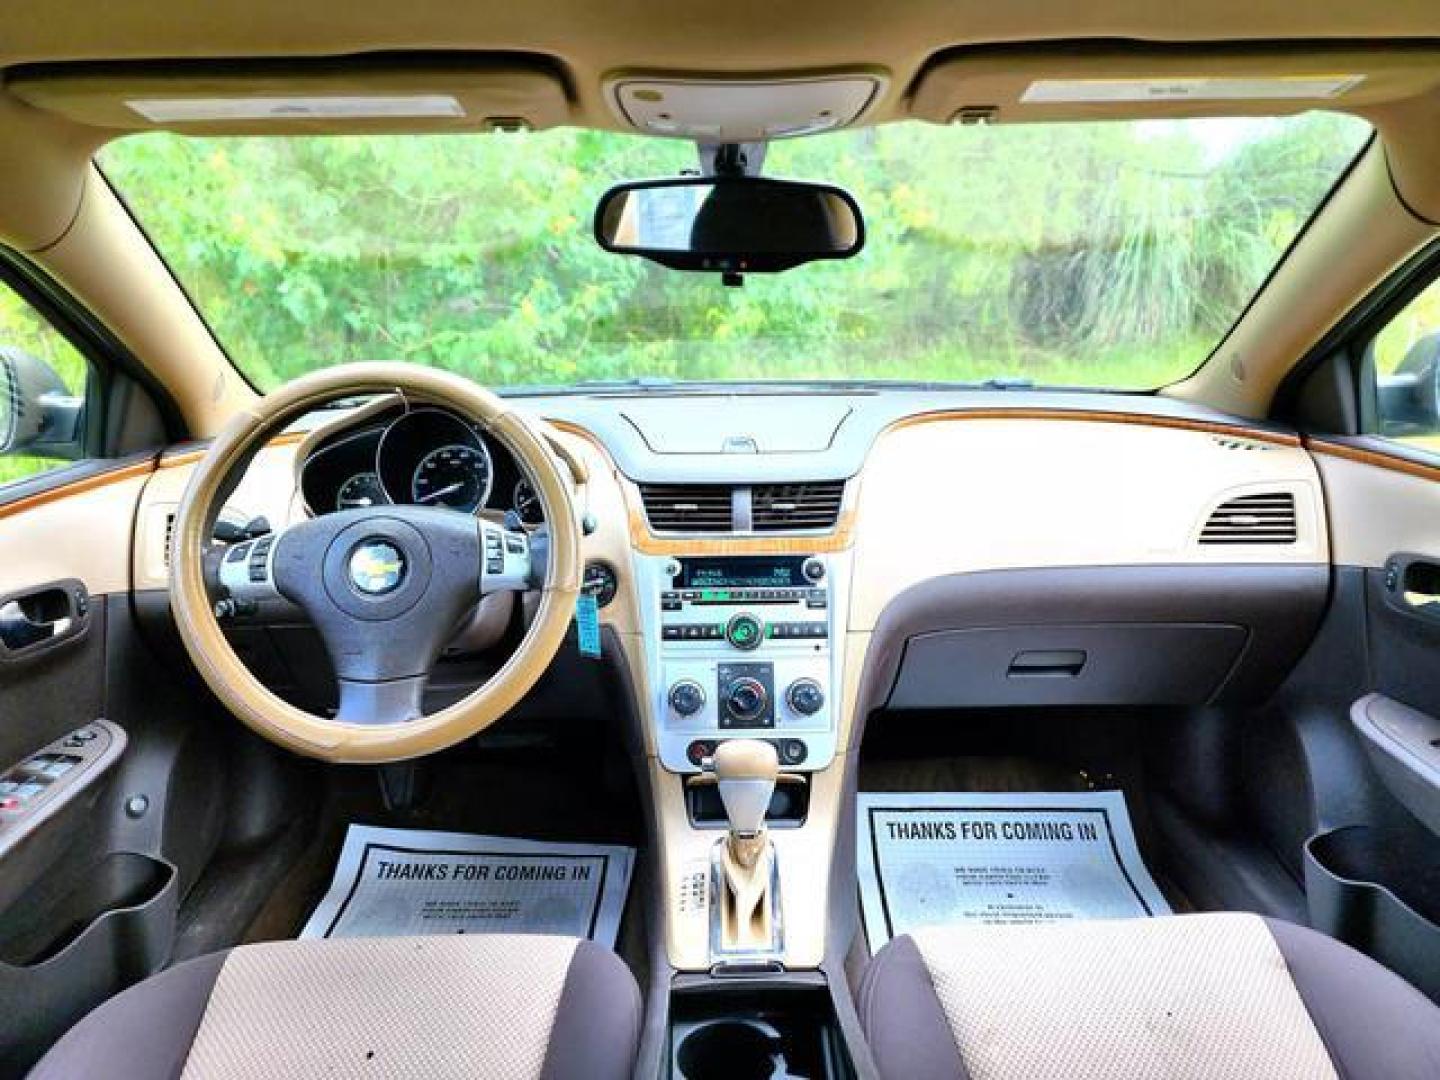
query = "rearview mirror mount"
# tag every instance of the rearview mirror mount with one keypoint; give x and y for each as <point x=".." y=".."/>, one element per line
<point x="729" y="225"/>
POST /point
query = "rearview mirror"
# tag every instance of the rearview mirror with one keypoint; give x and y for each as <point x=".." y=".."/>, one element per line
<point x="729" y="224"/>
<point x="37" y="410"/>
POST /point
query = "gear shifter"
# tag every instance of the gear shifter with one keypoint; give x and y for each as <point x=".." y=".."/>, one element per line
<point x="745" y="772"/>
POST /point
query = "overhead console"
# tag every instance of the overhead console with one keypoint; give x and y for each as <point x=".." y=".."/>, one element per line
<point x="745" y="647"/>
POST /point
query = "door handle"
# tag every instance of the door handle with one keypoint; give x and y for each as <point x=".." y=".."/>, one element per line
<point x="51" y="613"/>
<point x="1413" y="583"/>
<point x="1047" y="664"/>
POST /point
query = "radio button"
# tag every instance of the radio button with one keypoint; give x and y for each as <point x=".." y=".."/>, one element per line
<point x="745" y="632"/>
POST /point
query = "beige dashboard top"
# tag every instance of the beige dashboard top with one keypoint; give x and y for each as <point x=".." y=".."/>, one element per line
<point x="937" y="497"/>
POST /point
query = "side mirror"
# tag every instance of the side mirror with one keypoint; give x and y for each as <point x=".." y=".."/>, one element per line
<point x="1409" y="400"/>
<point x="729" y="225"/>
<point x="37" y="410"/>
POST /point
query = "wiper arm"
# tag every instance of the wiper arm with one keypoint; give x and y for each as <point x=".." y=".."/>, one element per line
<point x="1007" y="382"/>
<point x="639" y="382"/>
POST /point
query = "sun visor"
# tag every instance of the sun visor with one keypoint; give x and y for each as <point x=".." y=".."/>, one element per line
<point x="1019" y="85"/>
<point x="309" y="97"/>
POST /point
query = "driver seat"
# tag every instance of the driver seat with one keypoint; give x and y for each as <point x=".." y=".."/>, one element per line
<point x="493" y="1005"/>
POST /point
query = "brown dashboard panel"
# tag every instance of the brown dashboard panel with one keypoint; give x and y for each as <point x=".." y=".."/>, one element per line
<point x="1111" y="635"/>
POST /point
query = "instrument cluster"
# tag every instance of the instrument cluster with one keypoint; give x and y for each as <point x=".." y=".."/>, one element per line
<point x="422" y="457"/>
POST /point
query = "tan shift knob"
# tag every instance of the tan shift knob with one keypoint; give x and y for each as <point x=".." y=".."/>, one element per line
<point x="745" y="770"/>
<point x="746" y="759"/>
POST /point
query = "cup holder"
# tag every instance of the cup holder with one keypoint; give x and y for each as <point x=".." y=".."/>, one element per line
<point x="732" y="1050"/>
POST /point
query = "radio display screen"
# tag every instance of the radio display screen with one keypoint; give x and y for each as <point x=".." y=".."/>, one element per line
<point x="743" y="572"/>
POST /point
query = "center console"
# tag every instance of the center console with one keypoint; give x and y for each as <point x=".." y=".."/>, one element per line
<point x="743" y="646"/>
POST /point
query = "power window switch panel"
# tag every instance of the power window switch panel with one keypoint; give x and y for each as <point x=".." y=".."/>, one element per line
<point x="57" y="766"/>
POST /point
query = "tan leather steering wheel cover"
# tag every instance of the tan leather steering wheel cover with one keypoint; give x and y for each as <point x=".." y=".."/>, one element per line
<point x="313" y="736"/>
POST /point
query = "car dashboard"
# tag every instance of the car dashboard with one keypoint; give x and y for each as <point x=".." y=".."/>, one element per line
<point x="779" y="564"/>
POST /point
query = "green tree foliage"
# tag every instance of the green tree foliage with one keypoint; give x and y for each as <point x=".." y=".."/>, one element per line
<point x="1098" y="254"/>
<point x="1086" y="254"/>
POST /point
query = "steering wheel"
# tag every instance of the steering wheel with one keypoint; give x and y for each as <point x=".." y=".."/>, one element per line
<point x="384" y="586"/>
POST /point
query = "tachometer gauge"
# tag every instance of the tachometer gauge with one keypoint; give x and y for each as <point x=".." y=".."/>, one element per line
<point x="527" y="504"/>
<point x="456" y="477"/>
<point x="361" y="490"/>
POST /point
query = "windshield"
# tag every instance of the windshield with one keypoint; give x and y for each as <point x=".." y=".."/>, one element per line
<point x="1097" y="255"/>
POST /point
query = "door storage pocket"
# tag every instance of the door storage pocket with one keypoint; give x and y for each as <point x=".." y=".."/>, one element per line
<point x="1378" y="889"/>
<point x="65" y="948"/>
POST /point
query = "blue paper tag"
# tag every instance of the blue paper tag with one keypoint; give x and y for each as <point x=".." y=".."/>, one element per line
<point x="587" y="625"/>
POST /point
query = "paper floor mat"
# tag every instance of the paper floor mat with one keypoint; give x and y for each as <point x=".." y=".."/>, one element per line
<point x="931" y="858"/>
<point x="402" y="882"/>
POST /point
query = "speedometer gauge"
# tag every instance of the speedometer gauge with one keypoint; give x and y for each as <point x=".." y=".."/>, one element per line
<point x="456" y="477"/>
<point x="360" y="491"/>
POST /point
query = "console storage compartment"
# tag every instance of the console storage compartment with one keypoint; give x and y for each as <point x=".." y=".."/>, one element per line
<point x="1378" y="889"/>
<point x="755" y="1029"/>
<point x="67" y="946"/>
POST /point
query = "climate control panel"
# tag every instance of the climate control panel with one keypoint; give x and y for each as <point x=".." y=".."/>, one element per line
<point x="743" y="646"/>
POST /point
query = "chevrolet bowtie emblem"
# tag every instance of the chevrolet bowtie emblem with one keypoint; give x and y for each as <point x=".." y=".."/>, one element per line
<point x="376" y="568"/>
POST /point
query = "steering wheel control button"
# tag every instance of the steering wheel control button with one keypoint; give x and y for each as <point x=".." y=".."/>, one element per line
<point x="805" y="697"/>
<point x="687" y="697"/>
<point x="377" y="567"/>
<point x="744" y="631"/>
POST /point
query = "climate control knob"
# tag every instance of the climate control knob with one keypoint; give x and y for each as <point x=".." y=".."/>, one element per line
<point x="745" y="631"/>
<point x="687" y="697"/>
<point x="805" y="697"/>
<point x="746" y="699"/>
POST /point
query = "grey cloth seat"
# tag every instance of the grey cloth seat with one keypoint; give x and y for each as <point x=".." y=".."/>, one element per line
<point x="526" y="1007"/>
<point x="1178" y="998"/>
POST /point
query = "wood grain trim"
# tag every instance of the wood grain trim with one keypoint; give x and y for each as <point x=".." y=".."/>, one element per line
<point x="190" y="457"/>
<point x="1100" y="416"/>
<point x="78" y="487"/>
<point x="1378" y="458"/>
<point x="583" y="433"/>
<point x="646" y="542"/>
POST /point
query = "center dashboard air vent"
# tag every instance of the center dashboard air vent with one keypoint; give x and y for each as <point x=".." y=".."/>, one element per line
<point x="783" y="507"/>
<point x="691" y="508"/>
<point x="1265" y="518"/>
<point x="812" y="506"/>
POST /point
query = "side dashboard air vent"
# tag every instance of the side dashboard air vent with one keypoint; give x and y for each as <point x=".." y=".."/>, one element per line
<point x="691" y="508"/>
<point x="1267" y="518"/>
<point x="785" y="507"/>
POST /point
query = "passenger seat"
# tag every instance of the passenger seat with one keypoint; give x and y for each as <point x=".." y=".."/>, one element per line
<point x="1216" y="996"/>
